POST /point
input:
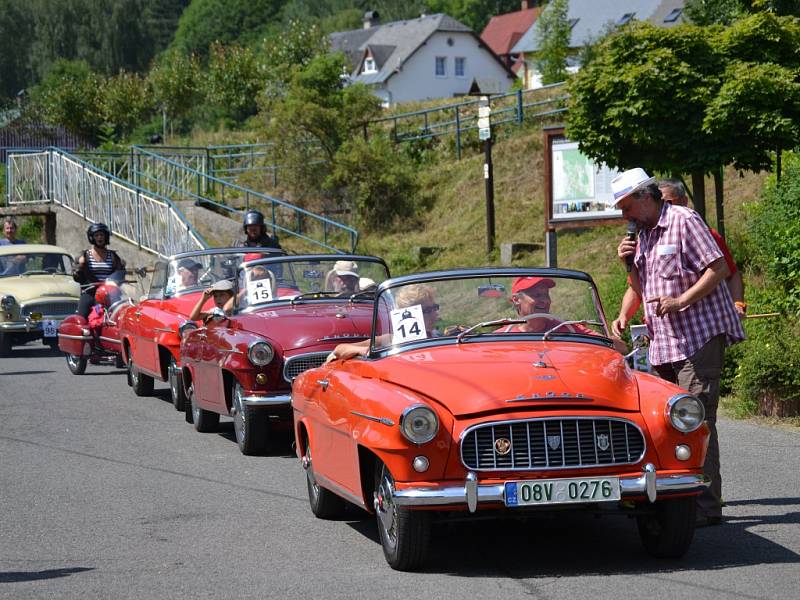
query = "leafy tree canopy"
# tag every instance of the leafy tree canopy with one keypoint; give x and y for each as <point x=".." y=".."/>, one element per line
<point x="553" y="33"/>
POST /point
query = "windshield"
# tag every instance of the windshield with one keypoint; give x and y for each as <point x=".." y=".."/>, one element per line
<point x="554" y="306"/>
<point x="196" y="272"/>
<point x="299" y="279"/>
<point x="39" y="263"/>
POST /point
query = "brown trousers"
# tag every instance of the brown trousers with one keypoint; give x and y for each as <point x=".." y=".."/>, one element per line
<point x="699" y="375"/>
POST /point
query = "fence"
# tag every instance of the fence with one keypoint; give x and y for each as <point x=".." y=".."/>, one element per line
<point x="139" y="216"/>
<point x="461" y="119"/>
<point x="180" y="182"/>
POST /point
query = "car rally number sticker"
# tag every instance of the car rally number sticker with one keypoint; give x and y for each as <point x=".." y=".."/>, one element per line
<point x="408" y="324"/>
<point x="259" y="291"/>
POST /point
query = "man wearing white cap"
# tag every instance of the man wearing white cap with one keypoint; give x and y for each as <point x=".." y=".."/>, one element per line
<point x="677" y="269"/>
<point x="344" y="277"/>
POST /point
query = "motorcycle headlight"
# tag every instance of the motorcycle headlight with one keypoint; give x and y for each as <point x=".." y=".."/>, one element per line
<point x="685" y="412"/>
<point x="260" y="353"/>
<point x="419" y="424"/>
<point x="7" y="302"/>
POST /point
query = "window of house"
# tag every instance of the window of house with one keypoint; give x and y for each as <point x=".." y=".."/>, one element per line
<point x="461" y="66"/>
<point x="573" y="22"/>
<point x="625" y="19"/>
<point x="441" y="66"/>
<point x="369" y="65"/>
<point x="673" y="15"/>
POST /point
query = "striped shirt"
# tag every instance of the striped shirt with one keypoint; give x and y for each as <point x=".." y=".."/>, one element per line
<point x="101" y="269"/>
<point x="670" y="258"/>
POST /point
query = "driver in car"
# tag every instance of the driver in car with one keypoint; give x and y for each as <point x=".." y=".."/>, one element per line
<point x="187" y="271"/>
<point x="531" y="298"/>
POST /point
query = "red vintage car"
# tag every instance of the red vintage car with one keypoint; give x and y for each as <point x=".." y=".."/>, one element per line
<point x="289" y="313"/>
<point x="150" y="331"/>
<point x="496" y="390"/>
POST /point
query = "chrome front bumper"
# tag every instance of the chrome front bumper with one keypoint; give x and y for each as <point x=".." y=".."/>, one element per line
<point x="268" y="400"/>
<point x="28" y="325"/>
<point x="649" y="484"/>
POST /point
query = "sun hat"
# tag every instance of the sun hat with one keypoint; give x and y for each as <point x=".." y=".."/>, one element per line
<point x="365" y="282"/>
<point x="345" y="267"/>
<point x="223" y="285"/>
<point x="627" y="183"/>
<point x="525" y="283"/>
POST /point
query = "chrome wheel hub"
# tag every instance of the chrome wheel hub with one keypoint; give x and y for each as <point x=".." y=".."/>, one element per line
<point x="237" y="412"/>
<point x="385" y="507"/>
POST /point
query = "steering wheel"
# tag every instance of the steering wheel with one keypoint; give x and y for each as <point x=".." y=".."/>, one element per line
<point x="541" y="322"/>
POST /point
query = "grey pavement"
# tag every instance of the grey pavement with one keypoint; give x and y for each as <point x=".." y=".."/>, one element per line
<point x="107" y="495"/>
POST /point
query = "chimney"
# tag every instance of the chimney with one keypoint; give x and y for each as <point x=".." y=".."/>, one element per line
<point x="371" y="19"/>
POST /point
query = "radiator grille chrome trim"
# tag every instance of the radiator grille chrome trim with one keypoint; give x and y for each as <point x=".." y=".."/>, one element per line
<point x="553" y="443"/>
<point x="294" y="365"/>
<point x="60" y="308"/>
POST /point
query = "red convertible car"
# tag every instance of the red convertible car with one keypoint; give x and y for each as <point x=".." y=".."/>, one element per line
<point x="150" y="330"/>
<point x="289" y="313"/>
<point x="496" y="390"/>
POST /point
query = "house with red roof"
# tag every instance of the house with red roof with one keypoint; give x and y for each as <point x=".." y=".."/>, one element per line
<point x="502" y="32"/>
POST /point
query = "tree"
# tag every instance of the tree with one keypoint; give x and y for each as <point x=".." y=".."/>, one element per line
<point x="710" y="12"/>
<point x="234" y="80"/>
<point x="175" y="81"/>
<point x="207" y="21"/>
<point x="475" y="14"/>
<point x="553" y="34"/>
<point x="15" y="41"/>
<point x="127" y="101"/>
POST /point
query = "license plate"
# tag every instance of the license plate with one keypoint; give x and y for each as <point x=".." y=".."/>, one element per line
<point x="562" y="491"/>
<point x="50" y="328"/>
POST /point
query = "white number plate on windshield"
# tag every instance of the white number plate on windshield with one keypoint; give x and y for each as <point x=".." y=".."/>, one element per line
<point x="562" y="491"/>
<point x="50" y="328"/>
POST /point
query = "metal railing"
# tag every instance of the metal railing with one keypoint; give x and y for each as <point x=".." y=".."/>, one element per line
<point x="461" y="119"/>
<point x="170" y="178"/>
<point x="139" y="216"/>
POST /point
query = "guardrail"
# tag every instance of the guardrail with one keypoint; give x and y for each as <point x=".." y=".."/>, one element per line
<point x="139" y="216"/>
<point x="460" y="119"/>
<point x="170" y="178"/>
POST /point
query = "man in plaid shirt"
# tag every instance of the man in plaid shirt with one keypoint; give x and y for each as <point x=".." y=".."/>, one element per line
<point x="677" y="270"/>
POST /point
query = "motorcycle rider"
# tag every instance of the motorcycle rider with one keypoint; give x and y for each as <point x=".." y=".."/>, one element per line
<point x="94" y="265"/>
<point x="255" y="230"/>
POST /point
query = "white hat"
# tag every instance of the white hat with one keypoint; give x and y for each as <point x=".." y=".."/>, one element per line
<point x="345" y="267"/>
<point x="627" y="183"/>
<point x="223" y="285"/>
<point x="365" y="282"/>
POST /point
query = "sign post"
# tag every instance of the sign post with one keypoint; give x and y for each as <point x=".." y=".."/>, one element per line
<point x="485" y="134"/>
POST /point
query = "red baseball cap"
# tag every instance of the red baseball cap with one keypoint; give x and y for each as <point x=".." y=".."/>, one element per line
<point x="525" y="283"/>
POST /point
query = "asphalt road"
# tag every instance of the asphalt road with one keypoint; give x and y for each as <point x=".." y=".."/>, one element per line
<point x="106" y="495"/>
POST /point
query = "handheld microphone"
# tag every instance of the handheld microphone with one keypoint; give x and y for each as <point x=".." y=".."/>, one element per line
<point x="631" y="235"/>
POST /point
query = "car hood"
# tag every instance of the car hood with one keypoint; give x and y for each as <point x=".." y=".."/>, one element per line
<point x="34" y="287"/>
<point x="308" y="325"/>
<point x="473" y="378"/>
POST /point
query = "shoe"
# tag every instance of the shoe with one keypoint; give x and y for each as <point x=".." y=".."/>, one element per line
<point x="702" y="521"/>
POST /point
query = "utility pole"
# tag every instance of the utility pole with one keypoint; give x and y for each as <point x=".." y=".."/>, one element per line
<point x="485" y="134"/>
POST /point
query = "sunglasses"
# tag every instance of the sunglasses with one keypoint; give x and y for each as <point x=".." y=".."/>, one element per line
<point x="429" y="309"/>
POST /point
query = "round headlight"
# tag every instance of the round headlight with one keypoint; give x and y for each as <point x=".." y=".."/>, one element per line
<point x="260" y="353"/>
<point x="419" y="424"/>
<point x="186" y="327"/>
<point x="685" y="412"/>
<point x="7" y="302"/>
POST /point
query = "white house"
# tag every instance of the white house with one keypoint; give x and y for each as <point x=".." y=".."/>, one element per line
<point x="433" y="56"/>
<point x="589" y="20"/>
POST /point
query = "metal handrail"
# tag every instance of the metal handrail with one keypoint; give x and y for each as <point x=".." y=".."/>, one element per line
<point x="137" y="215"/>
<point x="202" y="181"/>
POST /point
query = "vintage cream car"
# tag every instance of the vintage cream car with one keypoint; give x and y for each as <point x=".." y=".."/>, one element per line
<point x="36" y="293"/>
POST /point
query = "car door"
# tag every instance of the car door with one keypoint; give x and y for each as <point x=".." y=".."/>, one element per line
<point x="214" y="352"/>
<point x="146" y="352"/>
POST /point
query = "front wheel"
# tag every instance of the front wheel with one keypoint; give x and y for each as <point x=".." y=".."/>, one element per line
<point x="204" y="421"/>
<point x="404" y="533"/>
<point x="142" y="384"/>
<point x="5" y="346"/>
<point x="249" y="424"/>
<point x="176" y="385"/>
<point x="324" y="503"/>
<point x="668" y="532"/>
<point x="76" y="364"/>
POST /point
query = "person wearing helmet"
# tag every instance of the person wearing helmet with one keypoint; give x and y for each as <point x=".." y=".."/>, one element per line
<point x="255" y="231"/>
<point x="95" y="265"/>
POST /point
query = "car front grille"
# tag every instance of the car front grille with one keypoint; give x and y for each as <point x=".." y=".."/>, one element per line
<point x="66" y="307"/>
<point x="552" y="444"/>
<point x="302" y="362"/>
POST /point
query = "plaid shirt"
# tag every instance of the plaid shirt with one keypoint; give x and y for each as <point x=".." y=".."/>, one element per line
<point x="670" y="259"/>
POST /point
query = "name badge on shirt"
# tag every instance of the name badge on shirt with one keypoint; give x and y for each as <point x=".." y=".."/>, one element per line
<point x="666" y="249"/>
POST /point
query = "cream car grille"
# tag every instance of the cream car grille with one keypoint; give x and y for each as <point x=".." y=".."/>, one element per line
<point x="552" y="444"/>
<point x="62" y="308"/>
<point x="302" y="362"/>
